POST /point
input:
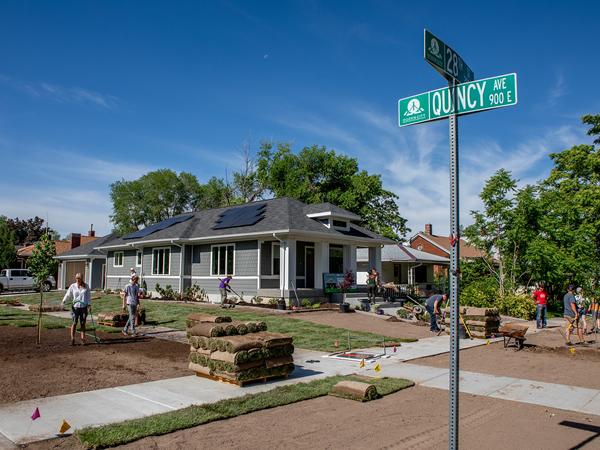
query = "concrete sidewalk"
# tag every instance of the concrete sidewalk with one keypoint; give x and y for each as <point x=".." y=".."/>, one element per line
<point x="112" y="405"/>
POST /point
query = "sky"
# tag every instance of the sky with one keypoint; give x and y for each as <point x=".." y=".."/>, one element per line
<point x="95" y="92"/>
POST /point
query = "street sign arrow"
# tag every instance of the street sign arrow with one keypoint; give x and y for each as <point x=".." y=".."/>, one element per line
<point x="445" y="60"/>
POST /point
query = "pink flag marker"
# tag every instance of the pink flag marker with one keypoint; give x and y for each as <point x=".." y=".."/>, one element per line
<point x="36" y="414"/>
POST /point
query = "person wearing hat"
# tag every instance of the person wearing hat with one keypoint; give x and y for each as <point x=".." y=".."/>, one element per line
<point x="571" y="314"/>
<point x="79" y="294"/>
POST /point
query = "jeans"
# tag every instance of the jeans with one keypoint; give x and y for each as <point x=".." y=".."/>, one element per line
<point x="540" y="316"/>
<point x="131" y="320"/>
<point x="432" y="319"/>
<point x="372" y="292"/>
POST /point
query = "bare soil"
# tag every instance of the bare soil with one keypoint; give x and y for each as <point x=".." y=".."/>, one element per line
<point x="414" y="418"/>
<point x="30" y="371"/>
<point x="544" y="358"/>
<point x="363" y="322"/>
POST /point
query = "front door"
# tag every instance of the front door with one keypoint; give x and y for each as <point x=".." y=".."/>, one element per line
<point x="309" y="271"/>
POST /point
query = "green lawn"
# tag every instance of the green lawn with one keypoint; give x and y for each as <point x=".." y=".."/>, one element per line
<point x="132" y="430"/>
<point x="19" y="318"/>
<point x="307" y="335"/>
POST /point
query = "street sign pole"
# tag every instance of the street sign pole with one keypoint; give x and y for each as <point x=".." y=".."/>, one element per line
<point x="454" y="272"/>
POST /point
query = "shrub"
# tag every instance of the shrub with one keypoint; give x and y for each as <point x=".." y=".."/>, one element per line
<point x="481" y="293"/>
<point x="272" y="301"/>
<point x="316" y="306"/>
<point x="403" y="314"/>
<point x="306" y="303"/>
<point x="196" y="294"/>
<point x="166" y="293"/>
<point x="520" y="306"/>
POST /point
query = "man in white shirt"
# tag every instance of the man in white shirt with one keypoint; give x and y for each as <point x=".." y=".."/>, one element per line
<point x="79" y="294"/>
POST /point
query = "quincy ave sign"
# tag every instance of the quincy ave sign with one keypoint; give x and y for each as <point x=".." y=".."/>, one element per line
<point x="480" y="95"/>
<point x="445" y="60"/>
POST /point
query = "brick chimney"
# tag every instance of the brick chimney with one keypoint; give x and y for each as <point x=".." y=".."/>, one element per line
<point x="92" y="232"/>
<point x="428" y="229"/>
<point x="75" y="240"/>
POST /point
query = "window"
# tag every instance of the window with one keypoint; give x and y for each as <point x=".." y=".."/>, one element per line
<point x="340" y="224"/>
<point x="336" y="259"/>
<point x="324" y="222"/>
<point x="161" y="261"/>
<point x="222" y="259"/>
<point x="196" y="254"/>
<point x="275" y="258"/>
<point x="118" y="259"/>
<point x="138" y="258"/>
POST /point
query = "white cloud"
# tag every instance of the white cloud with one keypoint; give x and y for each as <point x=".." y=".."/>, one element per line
<point x="62" y="94"/>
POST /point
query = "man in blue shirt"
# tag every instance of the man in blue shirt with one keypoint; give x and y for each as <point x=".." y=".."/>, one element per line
<point x="571" y="314"/>
<point x="432" y="305"/>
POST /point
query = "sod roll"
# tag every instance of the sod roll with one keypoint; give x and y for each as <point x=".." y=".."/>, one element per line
<point x="199" y="369"/>
<point x="207" y="318"/>
<point x="271" y="339"/>
<point x="277" y="362"/>
<point x="255" y="327"/>
<point x="207" y="330"/>
<point x="233" y="344"/>
<point x="355" y="390"/>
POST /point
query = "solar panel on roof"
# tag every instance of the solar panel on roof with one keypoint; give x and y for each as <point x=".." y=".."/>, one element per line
<point x="158" y="226"/>
<point x="240" y="217"/>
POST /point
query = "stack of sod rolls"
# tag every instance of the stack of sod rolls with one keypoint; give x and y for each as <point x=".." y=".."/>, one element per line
<point x="229" y="350"/>
<point x="119" y="318"/>
<point x="481" y="322"/>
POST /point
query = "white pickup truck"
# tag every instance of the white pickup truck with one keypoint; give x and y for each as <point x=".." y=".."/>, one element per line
<point x="22" y="280"/>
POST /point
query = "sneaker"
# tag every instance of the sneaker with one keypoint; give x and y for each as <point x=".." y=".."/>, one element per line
<point x="124" y="333"/>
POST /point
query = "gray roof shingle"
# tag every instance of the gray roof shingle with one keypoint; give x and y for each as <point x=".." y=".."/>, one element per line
<point x="281" y="214"/>
<point x="88" y="249"/>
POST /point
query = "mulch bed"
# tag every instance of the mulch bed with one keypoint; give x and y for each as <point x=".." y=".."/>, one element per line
<point x="55" y="367"/>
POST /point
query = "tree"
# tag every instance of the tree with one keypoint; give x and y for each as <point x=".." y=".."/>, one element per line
<point x="8" y="255"/>
<point x="42" y="264"/>
<point x="246" y="185"/>
<point x="316" y="175"/>
<point x="214" y="194"/>
<point x="28" y="231"/>
<point x="154" y="197"/>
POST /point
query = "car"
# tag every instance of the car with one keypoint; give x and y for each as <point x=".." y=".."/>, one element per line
<point x="23" y="280"/>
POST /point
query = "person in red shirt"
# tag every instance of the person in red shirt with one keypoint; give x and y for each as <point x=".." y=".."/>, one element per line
<point x="541" y="303"/>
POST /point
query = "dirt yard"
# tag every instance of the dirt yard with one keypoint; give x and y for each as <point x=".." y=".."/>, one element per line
<point x="29" y="371"/>
<point x="548" y="360"/>
<point x="415" y="418"/>
<point x="368" y="323"/>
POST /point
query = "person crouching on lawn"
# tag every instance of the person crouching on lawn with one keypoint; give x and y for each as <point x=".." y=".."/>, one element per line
<point x="131" y="298"/>
<point x="79" y="294"/>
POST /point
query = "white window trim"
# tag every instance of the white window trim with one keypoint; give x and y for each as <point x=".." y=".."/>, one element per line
<point x="232" y="273"/>
<point x="139" y="264"/>
<point x="152" y="267"/>
<point x="273" y="244"/>
<point x="115" y="259"/>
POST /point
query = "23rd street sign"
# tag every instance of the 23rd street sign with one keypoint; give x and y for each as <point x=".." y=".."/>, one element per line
<point x="489" y="93"/>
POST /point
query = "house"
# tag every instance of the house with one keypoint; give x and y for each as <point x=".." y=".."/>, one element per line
<point x="440" y="245"/>
<point x="61" y="246"/>
<point x="86" y="260"/>
<point x="403" y="265"/>
<point x="272" y="248"/>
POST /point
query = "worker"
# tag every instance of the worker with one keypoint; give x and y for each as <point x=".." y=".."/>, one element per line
<point x="571" y="315"/>
<point x="541" y="304"/>
<point x="224" y="288"/>
<point x="79" y="294"/>
<point x="373" y="284"/>
<point x="131" y="298"/>
<point x="432" y="305"/>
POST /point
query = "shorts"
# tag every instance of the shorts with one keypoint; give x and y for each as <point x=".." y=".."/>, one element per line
<point x="571" y="320"/>
<point x="79" y="314"/>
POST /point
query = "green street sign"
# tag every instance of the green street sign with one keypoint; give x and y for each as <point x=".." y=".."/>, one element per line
<point x="480" y="95"/>
<point x="445" y="60"/>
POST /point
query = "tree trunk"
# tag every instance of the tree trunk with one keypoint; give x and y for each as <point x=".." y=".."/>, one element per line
<point x="39" y="336"/>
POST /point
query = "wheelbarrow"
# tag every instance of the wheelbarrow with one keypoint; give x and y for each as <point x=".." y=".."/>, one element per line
<point x="513" y="334"/>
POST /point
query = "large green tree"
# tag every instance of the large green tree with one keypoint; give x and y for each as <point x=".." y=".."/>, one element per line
<point x="28" y="231"/>
<point x="8" y="254"/>
<point x="154" y="197"/>
<point x="315" y="175"/>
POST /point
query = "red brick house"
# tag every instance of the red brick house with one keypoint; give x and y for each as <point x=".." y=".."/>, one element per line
<point x="428" y="242"/>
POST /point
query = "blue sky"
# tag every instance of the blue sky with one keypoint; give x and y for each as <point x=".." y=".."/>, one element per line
<point x="93" y="92"/>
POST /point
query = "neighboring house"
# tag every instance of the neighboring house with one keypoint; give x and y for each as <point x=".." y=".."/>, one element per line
<point x="86" y="260"/>
<point x="61" y="246"/>
<point x="403" y="265"/>
<point x="271" y="248"/>
<point x="440" y="245"/>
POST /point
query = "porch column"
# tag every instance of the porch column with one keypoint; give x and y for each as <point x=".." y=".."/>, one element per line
<point x="321" y="262"/>
<point x="350" y="258"/>
<point x="375" y="258"/>
<point x="287" y="266"/>
<point x="91" y="264"/>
